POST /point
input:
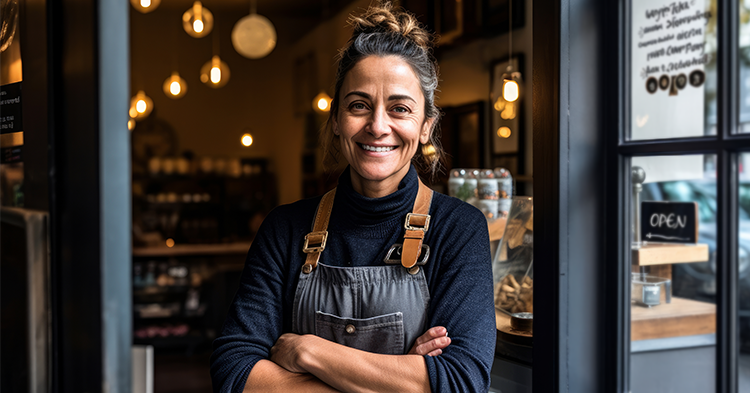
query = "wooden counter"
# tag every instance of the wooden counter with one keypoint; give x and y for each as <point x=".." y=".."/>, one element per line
<point x="682" y="317"/>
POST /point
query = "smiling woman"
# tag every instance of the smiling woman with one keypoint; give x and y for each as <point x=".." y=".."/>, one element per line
<point x="380" y="123"/>
<point x="366" y="300"/>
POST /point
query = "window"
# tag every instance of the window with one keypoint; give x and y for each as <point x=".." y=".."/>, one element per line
<point x="686" y="128"/>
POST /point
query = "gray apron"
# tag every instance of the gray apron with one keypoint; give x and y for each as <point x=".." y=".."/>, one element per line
<point x="380" y="309"/>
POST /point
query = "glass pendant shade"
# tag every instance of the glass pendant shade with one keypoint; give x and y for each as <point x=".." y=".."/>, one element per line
<point x="175" y="87"/>
<point x="215" y="73"/>
<point x="254" y="36"/>
<point x="141" y="106"/>
<point x="322" y="102"/>
<point x="198" y="21"/>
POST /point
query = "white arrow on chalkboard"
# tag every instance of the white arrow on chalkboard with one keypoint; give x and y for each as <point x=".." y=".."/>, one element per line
<point x="650" y="235"/>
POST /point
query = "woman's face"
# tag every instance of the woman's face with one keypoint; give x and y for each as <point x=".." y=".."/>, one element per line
<point x="380" y="122"/>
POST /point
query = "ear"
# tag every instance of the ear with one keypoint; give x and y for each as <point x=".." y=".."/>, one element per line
<point x="424" y="136"/>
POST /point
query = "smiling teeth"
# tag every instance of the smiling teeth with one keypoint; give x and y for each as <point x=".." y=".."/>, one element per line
<point x="378" y="149"/>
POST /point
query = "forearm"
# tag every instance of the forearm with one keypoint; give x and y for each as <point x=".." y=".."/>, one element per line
<point x="267" y="376"/>
<point x="352" y="370"/>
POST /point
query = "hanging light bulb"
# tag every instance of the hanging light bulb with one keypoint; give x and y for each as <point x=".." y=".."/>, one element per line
<point x="511" y="89"/>
<point x="215" y="72"/>
<point x="197" y="21"/>
<point x="131" y="124"/>
<point x="145" y="6"/>
<point x="175" y="87"/>
<point x="247" y="140"/>
<point x="322" y="102"/>
<point x="254" y="35"/>
<point x="141" y="106"/>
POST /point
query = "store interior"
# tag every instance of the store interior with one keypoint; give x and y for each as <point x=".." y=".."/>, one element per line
<point x="201" y="187"/>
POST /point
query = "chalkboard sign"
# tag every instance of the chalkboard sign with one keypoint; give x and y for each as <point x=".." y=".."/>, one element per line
<point x="670" y="222"/>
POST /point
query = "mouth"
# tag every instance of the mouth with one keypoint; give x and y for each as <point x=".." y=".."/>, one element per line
<point x="377" y="149"/>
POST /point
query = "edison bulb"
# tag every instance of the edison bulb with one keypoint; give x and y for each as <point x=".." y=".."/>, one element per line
<point x="510" y="90"/>
<point x="140" y="106"/>
<point x="175" y="87"/>
<point x="247" y="140"/>
<point x="145" y="6"/>
<point x="215" y="72"/>
<point x="322" y="102"/>
<point x="197" y="21"/>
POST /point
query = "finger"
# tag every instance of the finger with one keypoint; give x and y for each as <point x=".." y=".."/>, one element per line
<point x="437" y="343"/>
<point x="436" y="352"/>
<point x="432" y="333"/>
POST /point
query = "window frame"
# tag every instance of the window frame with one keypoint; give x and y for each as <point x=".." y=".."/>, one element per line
<point x="727" y="145"/>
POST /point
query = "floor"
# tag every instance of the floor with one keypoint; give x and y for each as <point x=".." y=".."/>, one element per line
<point x="175" y="373"/>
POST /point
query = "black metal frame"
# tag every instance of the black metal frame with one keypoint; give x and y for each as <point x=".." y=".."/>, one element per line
<point x="726" y="145"/>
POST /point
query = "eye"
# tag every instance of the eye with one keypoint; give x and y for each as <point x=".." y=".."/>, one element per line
<point x="401" y="109"/>
<point x="358" y="106"/>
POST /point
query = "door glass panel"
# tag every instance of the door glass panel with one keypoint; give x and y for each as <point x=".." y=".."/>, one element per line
<point x="744" y="65"/>
<point x="743" y="259"/>
<point x="673" y="55"/>
<point x="673" y="281"/>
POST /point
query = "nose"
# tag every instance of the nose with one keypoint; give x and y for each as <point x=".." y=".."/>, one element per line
<point x="380" y="124"/>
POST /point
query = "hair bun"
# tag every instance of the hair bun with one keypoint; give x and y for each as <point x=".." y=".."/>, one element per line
<point x="383" y="18"/>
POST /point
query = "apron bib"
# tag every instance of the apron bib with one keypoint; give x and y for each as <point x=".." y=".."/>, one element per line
<point x="379" y="309"/>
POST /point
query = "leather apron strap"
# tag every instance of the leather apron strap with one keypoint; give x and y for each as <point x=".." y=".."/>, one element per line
<point x="416" y="224"/>
<point x="315" y="241"/>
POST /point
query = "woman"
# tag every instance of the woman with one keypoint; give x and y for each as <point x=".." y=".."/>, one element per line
<point x="366" y="300"/>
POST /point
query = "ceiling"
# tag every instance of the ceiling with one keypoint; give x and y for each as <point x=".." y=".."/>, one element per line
<point x="318" y="9"/>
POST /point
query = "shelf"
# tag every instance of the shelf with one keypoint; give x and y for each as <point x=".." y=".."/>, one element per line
<point x="239" y="248"/>
<point x="682" y="317"/>
<point x="667" y="253"/>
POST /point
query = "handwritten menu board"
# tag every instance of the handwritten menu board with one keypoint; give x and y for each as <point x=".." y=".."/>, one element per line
<point x="668" y="77"/>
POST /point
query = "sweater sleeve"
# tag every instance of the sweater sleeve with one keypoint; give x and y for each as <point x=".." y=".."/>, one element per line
<point x="255" y="319"/>
<point x="462" y="302"/>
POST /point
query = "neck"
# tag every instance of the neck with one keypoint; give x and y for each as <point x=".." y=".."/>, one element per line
<point x="377" y="188"/>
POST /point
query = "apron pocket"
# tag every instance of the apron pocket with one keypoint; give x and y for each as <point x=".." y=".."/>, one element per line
<point x="382" y="334"/>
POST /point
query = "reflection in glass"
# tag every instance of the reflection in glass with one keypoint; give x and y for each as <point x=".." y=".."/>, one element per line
<point x="743" y="257"/>
<point x="673" y="285"/>
<point x="673" y="69"/>
<point x="744" y="66"/>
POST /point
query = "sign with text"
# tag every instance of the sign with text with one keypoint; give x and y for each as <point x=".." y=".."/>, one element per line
<point x="10" y="108"/>
<point x="668" y="53"/>
<point x="669" y="222"/>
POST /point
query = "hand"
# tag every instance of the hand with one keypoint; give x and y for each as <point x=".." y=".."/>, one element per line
<point x="432" y="342"/>
<point x="288" y="352"/>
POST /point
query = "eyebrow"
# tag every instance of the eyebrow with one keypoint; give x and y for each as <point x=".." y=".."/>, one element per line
<point x="394" y="97"/>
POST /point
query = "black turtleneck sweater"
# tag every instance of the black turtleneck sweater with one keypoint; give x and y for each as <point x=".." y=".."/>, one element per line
<point x="360" y="232"/>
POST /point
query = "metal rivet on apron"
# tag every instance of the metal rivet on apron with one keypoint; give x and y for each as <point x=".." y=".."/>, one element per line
<point x="350" y="329"/>
<point x="414" y="270"/>
<point x="306" y="268"/>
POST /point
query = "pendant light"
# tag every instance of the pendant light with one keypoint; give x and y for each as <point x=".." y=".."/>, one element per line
<point x="145" y="6"/>
<point x="247" y="140"/>
<point x="511" y="90"/>
<point x="174" y="86"/>
<point x="215" y="73"/>
<point x="322" y="102"/>
<point x="254" y="35"/>
<point x="198" y="21"/>
<point x="141" y="106"/>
